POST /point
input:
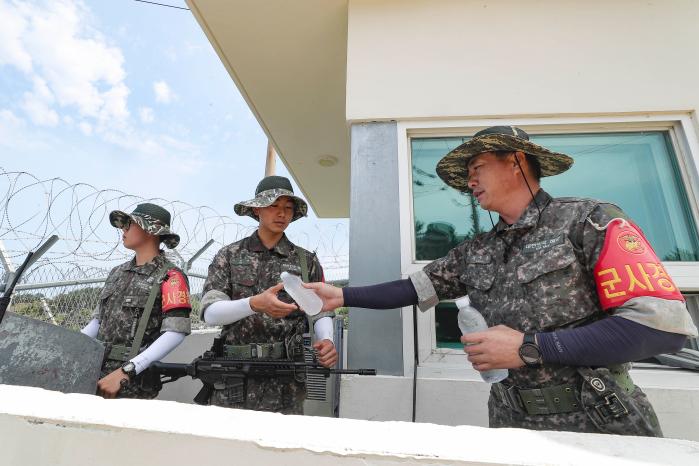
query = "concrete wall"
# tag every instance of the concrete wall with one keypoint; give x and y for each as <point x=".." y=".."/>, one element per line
<point x="451" y="396"/>
<point x="40" y="427"/>
<point x="455" y="58"/>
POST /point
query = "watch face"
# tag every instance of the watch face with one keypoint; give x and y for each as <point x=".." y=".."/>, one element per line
<point x="128" y="367"/>
<point x="530" y="353"/>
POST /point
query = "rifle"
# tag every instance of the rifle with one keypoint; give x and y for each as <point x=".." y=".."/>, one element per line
<point x="10" y="287"/>
<point x="13" y="278"/>
<point x="217" y="372"/>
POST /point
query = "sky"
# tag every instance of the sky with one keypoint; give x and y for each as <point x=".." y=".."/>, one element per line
<point x="129" y="95"/>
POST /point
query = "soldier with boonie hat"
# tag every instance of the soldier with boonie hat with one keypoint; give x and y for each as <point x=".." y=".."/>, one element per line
<point x="143" y="310"/>
<point x="243" y="293"/>
<point x="267" y="192"/>
<point x="152" y="218"/>
<point x="570" y="288"/>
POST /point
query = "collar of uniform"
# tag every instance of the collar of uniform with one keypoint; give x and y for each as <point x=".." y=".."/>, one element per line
<point x="148" y="267"/>
<point x="282" y="247"/>
<point x="531" y="214"/>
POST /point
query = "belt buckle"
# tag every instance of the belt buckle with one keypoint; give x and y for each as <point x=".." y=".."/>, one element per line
<point x="510" y="397"/>
<point x="612" y="406"/>
<point x="534" y="402"/>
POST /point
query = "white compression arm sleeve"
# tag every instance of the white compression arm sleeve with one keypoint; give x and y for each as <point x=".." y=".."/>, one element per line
<point x="323" y="329"/>
<point x="160" y="348"/>
<point x="226" y="312"/>
<point x="91" y="329"/>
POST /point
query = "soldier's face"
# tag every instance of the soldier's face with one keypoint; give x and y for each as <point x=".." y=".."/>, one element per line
<point x="276" y="217"/>
<point x="134" y="236"/>
<point x="491" y="179"/>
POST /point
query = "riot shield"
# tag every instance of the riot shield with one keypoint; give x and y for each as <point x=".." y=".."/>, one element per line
<point x="38" y="354"/>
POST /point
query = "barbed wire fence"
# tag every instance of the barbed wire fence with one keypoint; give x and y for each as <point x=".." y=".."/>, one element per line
<point x="63" y="286"/>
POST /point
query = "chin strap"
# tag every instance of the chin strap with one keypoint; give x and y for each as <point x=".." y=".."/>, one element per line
<point x="529" y="188"/>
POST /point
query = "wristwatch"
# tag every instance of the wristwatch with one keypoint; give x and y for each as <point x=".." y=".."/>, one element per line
<point x="129" y="369"/>
<point x="529" y="352"/>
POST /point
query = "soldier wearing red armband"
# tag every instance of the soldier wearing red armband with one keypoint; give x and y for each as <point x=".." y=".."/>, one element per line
<point x="143" y="310"/>
<point x="570" y="288"/>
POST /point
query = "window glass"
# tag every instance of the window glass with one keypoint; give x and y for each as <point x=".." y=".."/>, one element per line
<point x="636" y="170"/>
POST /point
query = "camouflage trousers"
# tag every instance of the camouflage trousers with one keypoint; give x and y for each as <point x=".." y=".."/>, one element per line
<point x="280" y="395"/>
<point x="641" y="419"/>
<point x="133" y="389"/>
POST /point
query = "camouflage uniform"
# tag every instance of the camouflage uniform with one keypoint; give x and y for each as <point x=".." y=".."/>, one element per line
<point x="121" y="305"/>
<point x="537" y="276"/>
<point x="242" y="270"/>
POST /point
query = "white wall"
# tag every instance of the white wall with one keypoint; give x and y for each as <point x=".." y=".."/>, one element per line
<point x="40" y="427"/>
<point x="456" y="58"/>
<point x="451" y="396"/>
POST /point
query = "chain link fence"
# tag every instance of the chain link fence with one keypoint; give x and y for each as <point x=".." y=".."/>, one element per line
<point x="64" y="285"/>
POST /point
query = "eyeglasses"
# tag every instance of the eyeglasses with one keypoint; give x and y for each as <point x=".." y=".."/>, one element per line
<point x="126" y="225"/>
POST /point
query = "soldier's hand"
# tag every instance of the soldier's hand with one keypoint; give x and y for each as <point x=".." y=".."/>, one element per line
<point x="495" y="348"/>
<point x="327" y="354"/>
<point x="109" y="385"/>
<point x="330" y="295"/>
<point x="268" y="303"/>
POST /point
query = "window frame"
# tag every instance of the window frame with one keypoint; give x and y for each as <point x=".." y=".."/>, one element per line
<point x="682" y="135"/>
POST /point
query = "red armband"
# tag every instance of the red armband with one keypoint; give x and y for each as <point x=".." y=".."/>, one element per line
<point x="629" y="268"/>
<point x="175" y="292"/>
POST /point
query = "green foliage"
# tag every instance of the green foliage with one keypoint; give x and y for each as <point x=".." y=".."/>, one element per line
<point x="343" y="312"/>
<point x="72" y="309"/>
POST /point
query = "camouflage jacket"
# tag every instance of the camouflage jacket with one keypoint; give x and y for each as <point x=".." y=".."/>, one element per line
<point x="537" y="275"/>
<point x="124" y="297"/>
<point x="246" y="268"/>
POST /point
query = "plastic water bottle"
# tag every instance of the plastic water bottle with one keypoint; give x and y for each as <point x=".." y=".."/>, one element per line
<point x="307" y="300"/>
<point x="470" y="320"/>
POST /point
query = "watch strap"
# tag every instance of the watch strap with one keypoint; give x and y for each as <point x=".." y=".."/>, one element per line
<point x="530" y="338"/>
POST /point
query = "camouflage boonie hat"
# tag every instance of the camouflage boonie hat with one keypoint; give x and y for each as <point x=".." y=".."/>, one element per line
<point x="269" y="190"/>
<point x="453" y="168"/>
<point x="152" y="218"/>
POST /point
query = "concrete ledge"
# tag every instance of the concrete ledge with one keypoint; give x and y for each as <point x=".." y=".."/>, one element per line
<point x="42" y="427"/>
<point x="452" y="395"/>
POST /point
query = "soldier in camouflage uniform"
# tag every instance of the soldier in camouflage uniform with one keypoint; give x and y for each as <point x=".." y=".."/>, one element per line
<point x="247" y="273"/>
<point x="143" y="310"/>
<point x="549" y="270"/>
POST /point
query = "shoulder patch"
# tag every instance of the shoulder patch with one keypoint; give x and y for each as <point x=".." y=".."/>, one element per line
<point x="629" y="268"/>
<point x="175" y="291"/>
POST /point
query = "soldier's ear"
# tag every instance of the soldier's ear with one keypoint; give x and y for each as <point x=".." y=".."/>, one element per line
<point x="519" y="160"/>
<point x="256" y="211"/>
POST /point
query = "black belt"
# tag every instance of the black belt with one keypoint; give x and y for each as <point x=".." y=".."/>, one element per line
<point x="538" y="401"/>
